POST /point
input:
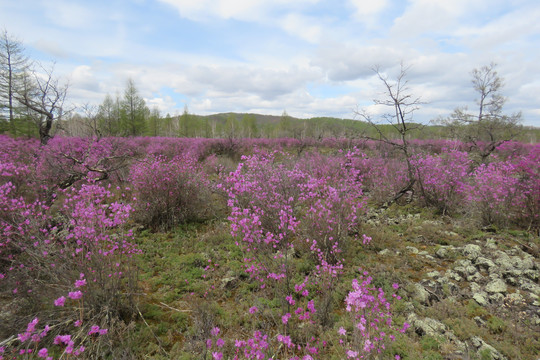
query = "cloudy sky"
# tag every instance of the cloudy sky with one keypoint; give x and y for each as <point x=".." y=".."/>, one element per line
<point x="308" y="57"/>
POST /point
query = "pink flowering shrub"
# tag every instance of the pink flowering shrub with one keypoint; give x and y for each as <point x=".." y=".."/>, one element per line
<point x="68" y="161"/>
<point x="277" y="208"/>
<point x="169" y="191"/>
<point x="443" y="179"/>
<point x="506" y="192"/>
<point x="371" y="318"/>
<point x="282" y="210"/>
<point x="73" y="258"/>
<point x="16" y="164"/>
<point x="382" y="176"/>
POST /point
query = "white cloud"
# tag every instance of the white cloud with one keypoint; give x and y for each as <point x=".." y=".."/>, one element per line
<point x="245" y="10"/>
<point x="343" y="62"/>
<point x="368" y="8"/>
<point x="69" y="14"/>
<point x="432" y="16"/>
<point x="164" y="104"/>
<point x="302" y="26"/>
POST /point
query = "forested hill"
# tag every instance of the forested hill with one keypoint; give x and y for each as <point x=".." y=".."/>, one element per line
<point x="250" y="125"/>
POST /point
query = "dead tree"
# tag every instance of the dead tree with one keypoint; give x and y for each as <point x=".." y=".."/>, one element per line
<point x="44" y="96"/>
<point x="403" y="104"/>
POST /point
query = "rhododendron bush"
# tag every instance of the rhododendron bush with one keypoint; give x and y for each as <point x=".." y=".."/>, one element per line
<point x="71" y="212"/>
<point x="73" y="260"/>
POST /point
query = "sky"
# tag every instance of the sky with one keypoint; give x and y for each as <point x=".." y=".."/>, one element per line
<point x="306" y="57"/>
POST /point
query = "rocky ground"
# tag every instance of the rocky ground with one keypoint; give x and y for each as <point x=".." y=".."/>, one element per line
<point x="491" y="282"/>
<point x="468" y="292"/>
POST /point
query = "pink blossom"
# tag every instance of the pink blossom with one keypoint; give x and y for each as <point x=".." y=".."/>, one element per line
<point x="43" y="353"/>
<point x="215" y="331"/>
<point x="285" y="318"/>
<point x="60" y="301"/>
<point x="75" y="295"/>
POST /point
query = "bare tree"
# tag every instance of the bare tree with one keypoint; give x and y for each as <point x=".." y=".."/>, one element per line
<point x="489" y="127"/>
<point x="14" y="64"/>
<point x="403" y="103"/>
<point x="44" y="96"/>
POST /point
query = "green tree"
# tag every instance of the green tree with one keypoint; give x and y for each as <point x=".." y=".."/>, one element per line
<point x="109" y="116"/>
<point x="184" y="123"/>
<point x="14" y="66"/>
<point x="249" y="126"/>
<point x="231" y="126"/>
<point x="134" y="111"/>
<point x="284" y="126"/>
<point x="154" y="122"/>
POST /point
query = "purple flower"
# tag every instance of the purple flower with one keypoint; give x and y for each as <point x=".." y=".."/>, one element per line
<point x="60" y="301"/>
<point x="43" y="353"/>
<point x="215" y="331"/>
<point x="285" y="318"/>
<point x="253" y="310"/>
<point x="75" y="295"/>
<point x="342" y="331"/>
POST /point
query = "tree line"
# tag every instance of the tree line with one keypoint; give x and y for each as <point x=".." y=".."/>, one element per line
<point x="33" y="104"/>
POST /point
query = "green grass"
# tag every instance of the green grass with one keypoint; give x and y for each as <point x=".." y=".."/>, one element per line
<point x="183" y="301"/>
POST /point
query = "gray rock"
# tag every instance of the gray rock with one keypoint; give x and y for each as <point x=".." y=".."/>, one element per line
<point x="482" y="348"/>
<point x="527" y="263"/>
<point x="480" y="298"/>
<point x="528" y="285"/>
<point x="229" y="282"/>
<point x="511" y="281"/>
<point x="464" y="262"/>
<point x="427" y="326"/>
<point x="420" y="294"/>
<point x="461" y="271"/>
<point x="514" y="299"/>
<point x="496" y="286"/>
<point x="485" y="263"/>
<point x="450" y="233"/>
<point x="503" y="261"/>
<point x="475" y="287"/>
<point x="453" y="275"/>
<point x="471" y="270"/>
<point x="445" y="251"/>
<point x="412" y="249"/>
<point x="433" y="274"/>
<point x="479" y="321"/>
<point x="496" y="298"/>
<point x="434" y="328"/>
<point x="476" y="277"/>
<point x="531" y="274"/>
<point x="472" y="251"/>
<point x="513" y="273"/>
<point x="491" y="244"/>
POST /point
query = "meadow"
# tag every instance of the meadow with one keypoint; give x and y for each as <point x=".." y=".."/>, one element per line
<point x="191" y="248"/>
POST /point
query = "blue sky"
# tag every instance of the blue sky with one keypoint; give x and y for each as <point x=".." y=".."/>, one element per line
<point x="308" y="57"/>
